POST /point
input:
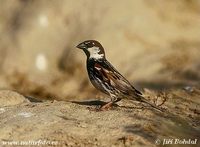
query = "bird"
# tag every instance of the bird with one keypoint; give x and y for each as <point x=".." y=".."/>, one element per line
<point x="105" y="77"/>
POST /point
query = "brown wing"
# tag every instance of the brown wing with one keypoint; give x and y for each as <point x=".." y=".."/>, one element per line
<point x="115" y="79"/>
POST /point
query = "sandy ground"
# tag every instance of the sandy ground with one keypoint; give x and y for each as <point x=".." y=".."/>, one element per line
<point x="154" y="44"/>
<point x="74" y="124"/>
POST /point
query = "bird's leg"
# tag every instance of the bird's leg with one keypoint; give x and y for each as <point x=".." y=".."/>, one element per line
<point x="107" y="106"/>
<point x="110" y="104"/>
<point x="117" y="100"/>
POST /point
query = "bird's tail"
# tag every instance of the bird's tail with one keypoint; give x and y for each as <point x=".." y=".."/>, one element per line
<point x="142" y="99"/>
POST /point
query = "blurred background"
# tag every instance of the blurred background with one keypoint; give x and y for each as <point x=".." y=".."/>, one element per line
<point x="155" y="44"/>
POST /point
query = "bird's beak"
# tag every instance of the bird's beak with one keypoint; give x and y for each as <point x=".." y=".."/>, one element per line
<point x="81" y="46"/>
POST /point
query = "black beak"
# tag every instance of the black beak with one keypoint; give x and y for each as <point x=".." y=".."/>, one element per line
<point x="82" y="46"/>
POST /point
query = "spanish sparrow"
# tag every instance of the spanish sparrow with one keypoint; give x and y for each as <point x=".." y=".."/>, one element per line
<point x="106" y="78"/>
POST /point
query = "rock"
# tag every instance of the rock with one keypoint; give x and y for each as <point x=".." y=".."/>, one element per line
<point x="63" y="123"/>
<point x="10" y="98"/>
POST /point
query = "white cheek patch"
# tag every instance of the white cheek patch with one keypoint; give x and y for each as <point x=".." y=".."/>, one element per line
<point x="94" y="53"/>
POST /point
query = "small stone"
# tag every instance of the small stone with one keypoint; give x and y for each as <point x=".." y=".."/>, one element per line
<point x="10" y="98"/>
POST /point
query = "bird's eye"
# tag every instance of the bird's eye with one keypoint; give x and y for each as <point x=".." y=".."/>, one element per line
<point x="87" y="43"/>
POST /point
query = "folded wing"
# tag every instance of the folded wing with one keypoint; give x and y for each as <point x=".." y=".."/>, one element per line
<point x="113" y="78"/>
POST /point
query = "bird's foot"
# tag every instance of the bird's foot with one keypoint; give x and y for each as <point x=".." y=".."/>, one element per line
<point x="106" y="107"/>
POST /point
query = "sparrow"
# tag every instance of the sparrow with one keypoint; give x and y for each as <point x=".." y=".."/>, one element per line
<point x="106" y="78"/>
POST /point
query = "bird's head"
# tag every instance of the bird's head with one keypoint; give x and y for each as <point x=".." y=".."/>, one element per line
<point x="93" y="49"/>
